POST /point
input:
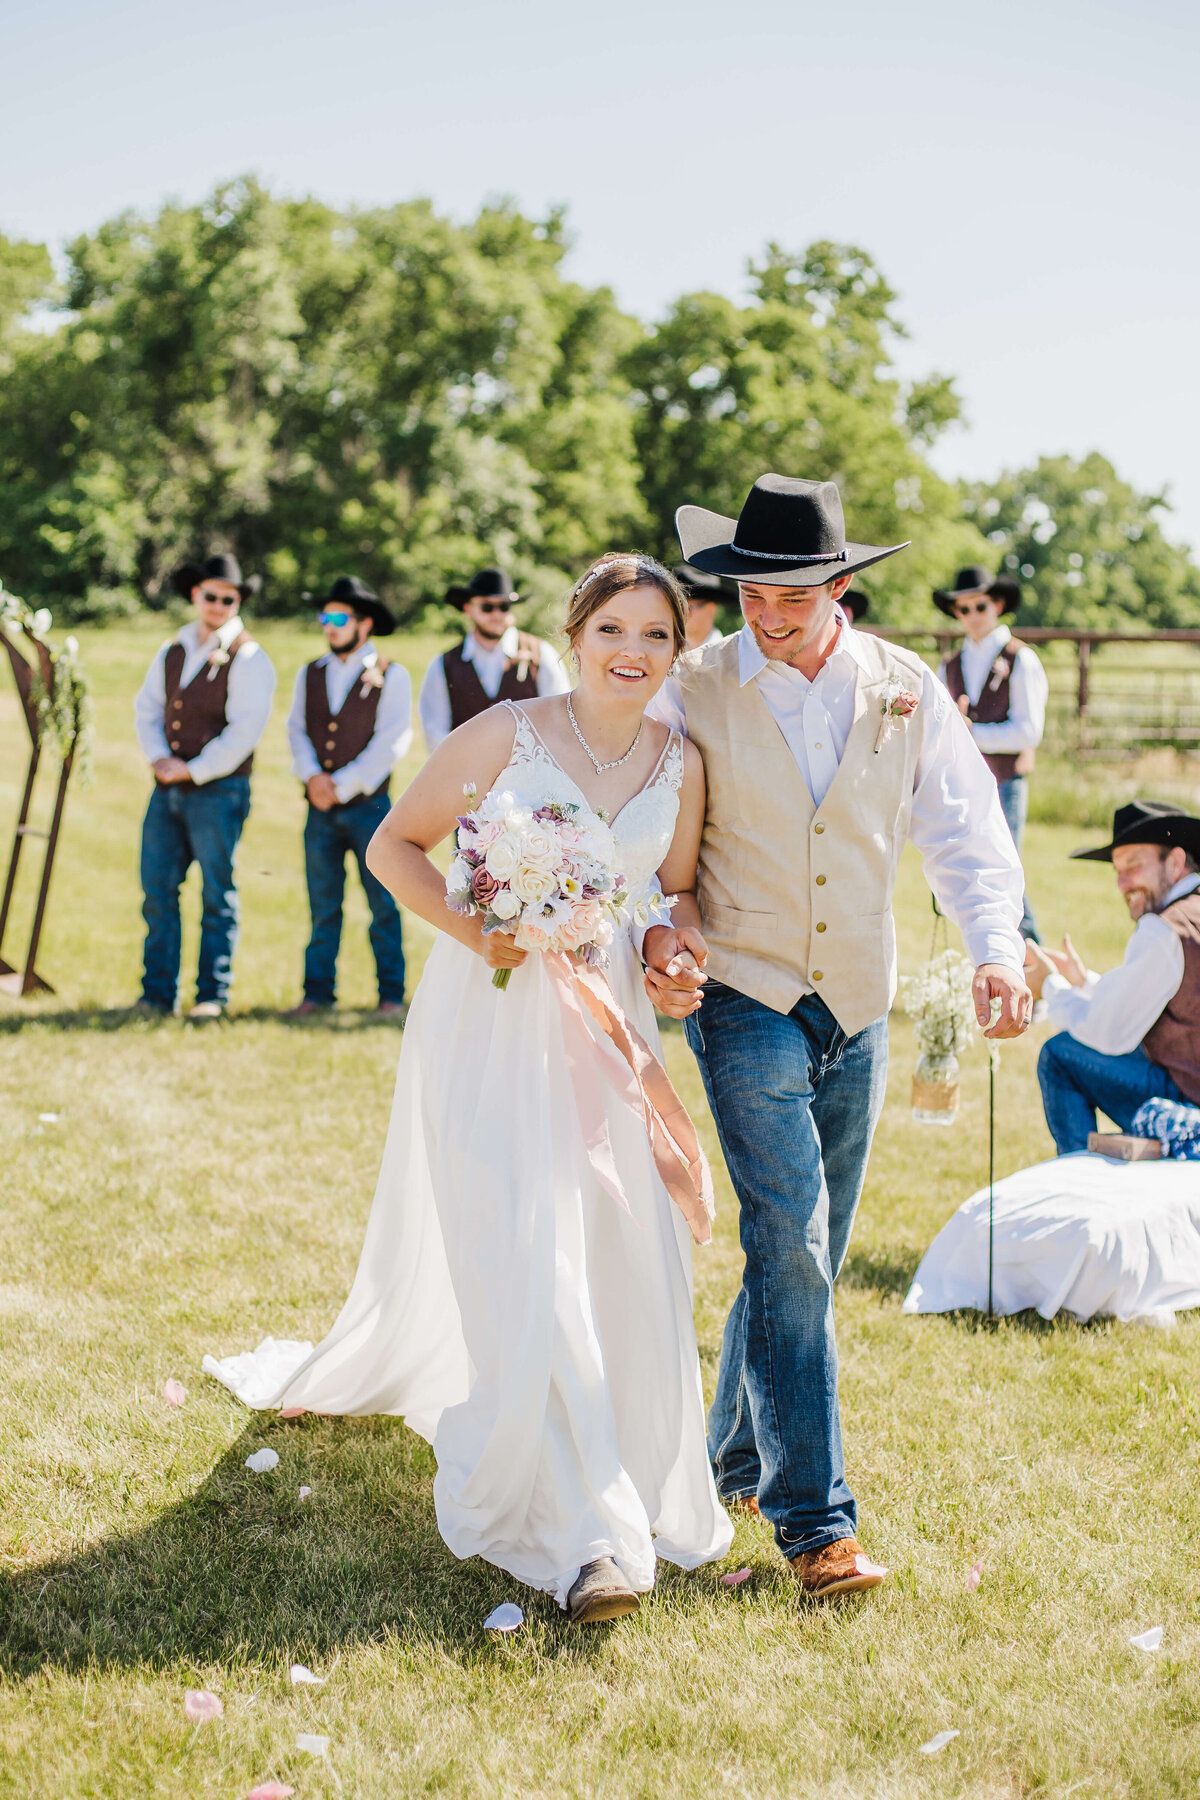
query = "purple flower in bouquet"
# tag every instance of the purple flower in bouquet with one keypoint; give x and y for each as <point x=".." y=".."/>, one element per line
<point x="484" y="886"/>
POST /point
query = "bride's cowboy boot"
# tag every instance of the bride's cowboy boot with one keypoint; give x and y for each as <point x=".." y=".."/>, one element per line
<point x="840" y="1568"/>
<point x="600" y="1592"/>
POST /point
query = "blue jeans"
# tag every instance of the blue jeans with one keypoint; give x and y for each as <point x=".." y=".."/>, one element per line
<point x="1075" y="1081"/>
<point x="327" y="838"/>
<point x="1014" y="804"/>
<point x="796" y="1103"/>
<point x="186" y="825"/>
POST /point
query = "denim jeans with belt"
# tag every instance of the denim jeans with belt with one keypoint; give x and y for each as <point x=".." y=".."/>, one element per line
<point x="186" y="825"/>
<point x="1076" y="1080"/>
<point x="796" y="1103"/>
<point x="1014" y="804"/>
<point x="328" y="837"/>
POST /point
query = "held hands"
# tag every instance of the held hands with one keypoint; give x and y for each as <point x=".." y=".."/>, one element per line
<point x="993" y="981"/>
<point x="170" y="769"/>
<point x="675" y="959"/>
<point x="321" y="791"/>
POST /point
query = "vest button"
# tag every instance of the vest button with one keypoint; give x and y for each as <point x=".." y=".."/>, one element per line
<point x="179" y="706"/>
<point x="333" y="724"/>
<point x="820" y="881"/>
<point x="329" y="744"/>
<point x="821" y="926"/>
<point x="818" y="829"/>
<point x="817" y="975"/>
<point x="329" y="765"/>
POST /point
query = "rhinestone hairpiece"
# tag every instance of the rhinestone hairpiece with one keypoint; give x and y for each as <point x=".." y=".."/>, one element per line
<point x="609" y="563"/>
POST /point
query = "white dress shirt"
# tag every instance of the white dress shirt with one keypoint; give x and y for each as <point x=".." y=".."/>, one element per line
<point x="433" y="702"/>
<point x="247" y="705"/>
<point x="389" y="740"/>
<point x="1028" y="691"/>
<point x="956" y="821"/>
<point x="1112" y="1013"/>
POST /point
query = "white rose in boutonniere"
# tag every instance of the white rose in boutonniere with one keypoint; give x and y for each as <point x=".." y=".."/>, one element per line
<point x="216" y="661"/>
<point x="898" y="704"/>
<point x="372" y="674"/>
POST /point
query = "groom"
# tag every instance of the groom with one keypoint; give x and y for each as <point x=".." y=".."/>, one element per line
<point x="824" y="749"/>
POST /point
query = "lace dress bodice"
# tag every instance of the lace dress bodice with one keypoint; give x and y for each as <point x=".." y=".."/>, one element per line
<point x="645" y="824"/>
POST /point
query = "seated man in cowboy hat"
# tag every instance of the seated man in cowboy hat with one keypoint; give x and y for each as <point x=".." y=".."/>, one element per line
<point x="1000" y="686"/>
<point x="494" y="662"/>
<point x="350" y="723"/>
<point x="824" y="749"/>
<point x="1133" y="1034"/>
<point x="704" y="594"/>
<point x="855" y="604"/>
<point x="201" y="710"/>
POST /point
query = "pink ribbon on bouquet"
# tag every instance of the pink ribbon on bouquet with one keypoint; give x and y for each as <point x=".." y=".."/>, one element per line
<point x="634" y="1073"/>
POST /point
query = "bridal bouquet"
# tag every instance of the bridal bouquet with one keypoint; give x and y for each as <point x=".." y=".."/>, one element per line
<point x="547" y="875"/>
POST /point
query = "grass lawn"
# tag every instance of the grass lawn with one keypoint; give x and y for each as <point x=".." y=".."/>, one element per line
<point x="198" y="1190"/>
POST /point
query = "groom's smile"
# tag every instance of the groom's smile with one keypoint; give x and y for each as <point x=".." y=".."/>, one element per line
<point x="792" y="625"/>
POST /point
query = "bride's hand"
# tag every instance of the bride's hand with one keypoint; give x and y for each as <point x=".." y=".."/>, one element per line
<point x="499" y="951"/>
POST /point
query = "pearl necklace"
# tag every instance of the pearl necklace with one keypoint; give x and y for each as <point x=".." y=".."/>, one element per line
<point x="600" y="768"/>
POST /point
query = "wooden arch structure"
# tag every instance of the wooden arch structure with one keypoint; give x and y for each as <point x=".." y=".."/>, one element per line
<point x="25" y="981"/>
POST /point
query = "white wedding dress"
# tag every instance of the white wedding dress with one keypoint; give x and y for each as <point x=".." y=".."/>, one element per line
<point x="539" y="1336"/>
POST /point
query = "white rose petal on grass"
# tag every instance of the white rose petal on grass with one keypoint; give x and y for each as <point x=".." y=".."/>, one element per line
<point x="174" y="1393"/>
<point x="310" y="1742"/>
<point x="201" y="1705"/>
<point x="302" y="1677"/>
<point x="938" y="1743"/>
<point x="505" y="1618"/>
<point x="974" y="1575"/>
<point x="865" y="1566"/>
<point x="271" y="1790"/>
<point x="262" y="1460"/>
<point x="49" y="1118"/>
<point x="304" y="1493"/>
<point x="735" y="1578"/>
<point x="1148" y="1640"/>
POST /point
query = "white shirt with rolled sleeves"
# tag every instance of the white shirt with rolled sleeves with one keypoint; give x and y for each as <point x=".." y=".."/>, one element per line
<point x="390" y="739"/>
<point x="433" y="702"/>
<point x="956" y="821"/>
<point x="1112" y="1013"/>
<point x="1028" y="692"/>
<point x="249" y="696"/>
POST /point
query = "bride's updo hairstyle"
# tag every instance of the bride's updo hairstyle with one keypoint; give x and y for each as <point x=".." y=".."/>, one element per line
<point x="612" y="574"/>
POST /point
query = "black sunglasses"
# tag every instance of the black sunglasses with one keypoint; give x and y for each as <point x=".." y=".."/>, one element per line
<point x="220" y="599"/>
<point x="963" y="612"/>
<point x="491" y="606"/>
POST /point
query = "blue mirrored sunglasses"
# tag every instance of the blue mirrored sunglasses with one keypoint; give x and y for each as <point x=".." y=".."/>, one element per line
<point x="333" y="618"/>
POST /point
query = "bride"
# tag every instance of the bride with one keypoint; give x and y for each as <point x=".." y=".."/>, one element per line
<point x="532" y="1320"/>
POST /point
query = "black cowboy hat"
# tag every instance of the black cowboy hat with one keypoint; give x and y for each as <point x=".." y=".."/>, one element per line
<point x="485" y="584"/>
<point x="789" y="533"/>
<point x="855" y="604"/>
<point x="976" y="580"/>
<point x="349" y="591"/>
<point x="1148" y="822"/>
<point x="697" y="585"/>
<point x="221" y="567"/>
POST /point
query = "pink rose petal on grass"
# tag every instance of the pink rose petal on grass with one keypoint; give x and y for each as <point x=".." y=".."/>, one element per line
<point x="865" y="1566"/>
<point x="174" y="1392"/>
<point x="974" y="1575"/>
<point x="735" y="1578"/>
<point x="304" y="1493"/>
<point x="201" y="1705"/>
<point x="271" y="1790"/>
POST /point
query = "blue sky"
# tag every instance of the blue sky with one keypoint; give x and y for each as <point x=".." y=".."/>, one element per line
<point x="1024" y="174"/>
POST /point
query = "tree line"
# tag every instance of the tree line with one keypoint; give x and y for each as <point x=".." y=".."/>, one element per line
<point x="385" y="391"/>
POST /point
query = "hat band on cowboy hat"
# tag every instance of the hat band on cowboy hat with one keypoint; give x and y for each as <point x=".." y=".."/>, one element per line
<point x="789" y="533"/>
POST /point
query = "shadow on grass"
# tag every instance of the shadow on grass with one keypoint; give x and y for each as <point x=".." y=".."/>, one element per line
<point x="886" y="1270"/>
<point x="245" y="1569"/>
<point x="127" y="1018"/>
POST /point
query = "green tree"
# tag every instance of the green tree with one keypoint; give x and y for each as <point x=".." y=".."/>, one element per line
<point x="378" y="390"/>
<point x="1089" y="547"/>
<point x="798" y="381"/>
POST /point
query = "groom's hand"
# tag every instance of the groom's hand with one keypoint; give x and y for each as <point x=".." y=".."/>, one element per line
<point x="675" y="959"/>
<point x="994" y="981"/>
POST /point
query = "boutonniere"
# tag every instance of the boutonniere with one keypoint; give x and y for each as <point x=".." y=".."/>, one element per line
<point x="372" y="674"/>
<point x="898" y="703"/>
<point x="1001" y="670"/>
<point x="216" y="661"/>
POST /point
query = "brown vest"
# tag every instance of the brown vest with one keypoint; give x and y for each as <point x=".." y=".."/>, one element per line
<point x="194" y="715"/>
<point x="337" y="741"/>
<point x="468" y="697"/>
<point x="991" y="708"/>
<point x="1173" y="1041"/>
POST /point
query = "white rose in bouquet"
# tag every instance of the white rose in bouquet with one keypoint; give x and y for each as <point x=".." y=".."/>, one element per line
<point x="538" y="847"/>
<point x="532" y="882"/>
<point x="503" y="858"/>
<point x="505" y="905"/>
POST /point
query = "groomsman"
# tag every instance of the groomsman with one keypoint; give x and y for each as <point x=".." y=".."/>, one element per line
<point x="494" y="662"/>
<point x="200" y="712"/>
<point x="703" y="594"/>
<point x="349" y="725"/>
<point x="1000" y="687"/>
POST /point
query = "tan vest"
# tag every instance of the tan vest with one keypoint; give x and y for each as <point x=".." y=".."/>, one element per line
<point x="797" y="898"/>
